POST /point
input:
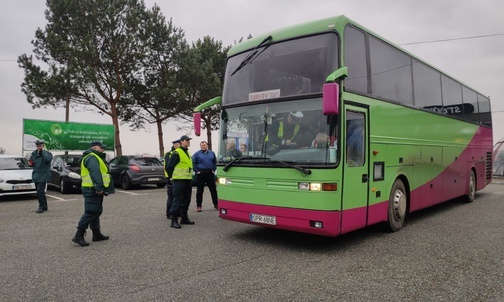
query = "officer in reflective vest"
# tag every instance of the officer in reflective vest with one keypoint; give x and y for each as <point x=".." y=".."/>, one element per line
<point x="286" y="133"/>
<point x="96" y="183"/>
<point x="180" y="169"/>
<point x="169" y="185"/>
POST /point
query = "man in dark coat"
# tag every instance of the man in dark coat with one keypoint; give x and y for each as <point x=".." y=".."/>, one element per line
<point x="40" y="160"/>
<point x="96" y="183"/>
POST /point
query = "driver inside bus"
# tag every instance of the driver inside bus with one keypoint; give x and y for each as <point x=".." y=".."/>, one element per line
<point x="285" y="132"/>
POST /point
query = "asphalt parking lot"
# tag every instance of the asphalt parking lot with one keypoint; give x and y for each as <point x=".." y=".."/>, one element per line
<point x="451" y="252"/>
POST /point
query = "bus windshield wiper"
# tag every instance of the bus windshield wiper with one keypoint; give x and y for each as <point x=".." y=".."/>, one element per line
<point x="226" y="167"/>
<point x="300" y="169"/>
<point x="254" y="53"/>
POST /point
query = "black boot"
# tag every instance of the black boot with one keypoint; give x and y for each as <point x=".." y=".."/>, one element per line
<point x="174" y="223"/>
<point x="98" y="236"/>
<point x="79" y="238"/>
<point x="185" y="219"/>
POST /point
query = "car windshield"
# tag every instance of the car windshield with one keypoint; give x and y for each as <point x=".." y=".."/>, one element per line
<point x="147" y="161"/>
<point x="73" y="161"/>
<point x="14" y="163"/>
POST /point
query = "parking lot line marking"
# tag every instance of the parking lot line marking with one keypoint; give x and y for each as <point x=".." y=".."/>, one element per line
<point x="55" y="197"/>
<point x="131" y="193"/>
<point x="60" y="200"/>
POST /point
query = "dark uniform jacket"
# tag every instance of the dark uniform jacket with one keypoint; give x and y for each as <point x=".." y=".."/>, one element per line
<point x="41" y="165"/>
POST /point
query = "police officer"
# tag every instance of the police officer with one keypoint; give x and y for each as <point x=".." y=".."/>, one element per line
<point x="40" y="160"/>
<point x="96" y="183"/>
<point x="169" y="185"/>
<point x="180" y="169"/>
<point x="285" y="133"/>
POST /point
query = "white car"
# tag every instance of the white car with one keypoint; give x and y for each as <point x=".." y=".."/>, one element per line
<point x="15" y="176"/>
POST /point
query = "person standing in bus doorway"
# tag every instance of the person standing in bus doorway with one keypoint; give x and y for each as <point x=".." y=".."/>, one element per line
<point x="96" y="183"/>
<point x="205" y="164"/>
<point x="180" y="168"/>
<point x="40" y="160"/>
<point x="169" y="185"/>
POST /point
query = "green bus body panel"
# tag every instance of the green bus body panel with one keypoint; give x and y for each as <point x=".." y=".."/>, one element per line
<point x="308" y="28"/>
<point x="261" y="186"/>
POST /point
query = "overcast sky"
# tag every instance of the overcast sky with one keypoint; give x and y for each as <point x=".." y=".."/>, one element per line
<point x="477" y="62"/>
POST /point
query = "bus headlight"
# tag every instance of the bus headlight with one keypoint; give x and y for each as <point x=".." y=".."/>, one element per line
<point x="224" y="181"/>
<point x="317" y="186"/>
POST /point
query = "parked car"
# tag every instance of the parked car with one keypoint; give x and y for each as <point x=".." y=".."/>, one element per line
<point x="65" y="172"/>
<point x="131" y="170"/>
<point x="15" y="176"/>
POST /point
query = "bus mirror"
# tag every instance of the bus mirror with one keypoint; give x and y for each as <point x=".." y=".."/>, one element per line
<point x="330" y="98"/>
<point x="197" y="123"/>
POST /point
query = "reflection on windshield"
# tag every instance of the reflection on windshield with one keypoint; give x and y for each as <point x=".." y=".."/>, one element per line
<point x="294" y="67"/>
<point x="276" y="131"/>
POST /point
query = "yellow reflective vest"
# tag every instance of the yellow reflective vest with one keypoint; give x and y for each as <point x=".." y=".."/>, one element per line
<point x="280" y="132"/>
<point x="86" y="176"/>
<point x="184" y="169"/>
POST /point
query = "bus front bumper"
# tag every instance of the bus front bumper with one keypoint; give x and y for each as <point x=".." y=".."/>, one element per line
<point x="325" y="223"/>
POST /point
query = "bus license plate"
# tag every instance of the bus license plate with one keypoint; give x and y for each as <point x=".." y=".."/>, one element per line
<point x="263" y="219"/>
<point x="22" y="187"/>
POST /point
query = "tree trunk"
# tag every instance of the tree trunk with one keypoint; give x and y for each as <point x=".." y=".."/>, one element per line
<point x="115" y="122"/>
<point x="208" y="126"/>
<point x="160" y="137"/>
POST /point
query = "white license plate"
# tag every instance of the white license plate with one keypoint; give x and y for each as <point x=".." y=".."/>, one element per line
<point x="22" y="187"/>
<point x="263" y="219"/>
<point x="153" y="179"/>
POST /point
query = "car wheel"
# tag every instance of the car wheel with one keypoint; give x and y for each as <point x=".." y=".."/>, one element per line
<point x="161" y="185"/>
<point x="398" y="203"/>
<point x="64" y="187"/>
<point x="125" y="182"/>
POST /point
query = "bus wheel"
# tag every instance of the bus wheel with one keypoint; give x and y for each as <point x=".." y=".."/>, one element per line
<point x="397" y="206"/>
<point x="471" y="190"/>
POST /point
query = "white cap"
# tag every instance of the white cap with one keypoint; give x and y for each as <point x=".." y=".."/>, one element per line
<point x="297" y="114"/>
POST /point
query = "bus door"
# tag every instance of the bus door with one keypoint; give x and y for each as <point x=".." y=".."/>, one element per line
<point x="355" y="169"/>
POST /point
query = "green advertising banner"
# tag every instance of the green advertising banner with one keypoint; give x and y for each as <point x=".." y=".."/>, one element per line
<point x="66" y="135"/>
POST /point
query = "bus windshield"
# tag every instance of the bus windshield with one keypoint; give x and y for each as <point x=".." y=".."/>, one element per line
<point x="293" y="131"/>
<point x="287" y="68"/>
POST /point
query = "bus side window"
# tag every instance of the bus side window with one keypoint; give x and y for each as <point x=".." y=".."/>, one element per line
<point x="355" y="142"/>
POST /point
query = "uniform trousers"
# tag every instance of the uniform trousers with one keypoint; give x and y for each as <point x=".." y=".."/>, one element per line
<point x="182" y="190"/>
<point x="169" y="200"/>
<point x="42" y="199"/>
<point x="93" y="208"/>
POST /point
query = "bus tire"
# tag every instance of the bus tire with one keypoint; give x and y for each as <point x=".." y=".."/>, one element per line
<point x="398" y="203"/>
<point x="471" y="188"/>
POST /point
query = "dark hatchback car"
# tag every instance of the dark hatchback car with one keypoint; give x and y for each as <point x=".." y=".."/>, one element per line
<point x="132" y="170"/>
<point x="65" y="172"/>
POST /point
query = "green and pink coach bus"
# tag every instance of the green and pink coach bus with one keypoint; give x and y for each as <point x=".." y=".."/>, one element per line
<point x="375" y="132"/>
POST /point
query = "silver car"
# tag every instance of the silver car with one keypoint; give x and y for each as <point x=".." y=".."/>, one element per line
<point x="15" y="176"/>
